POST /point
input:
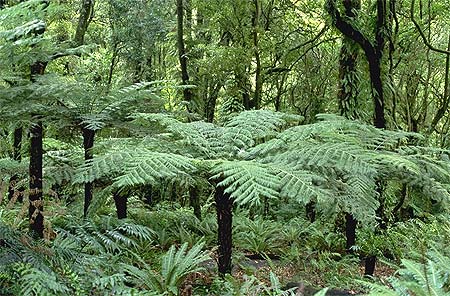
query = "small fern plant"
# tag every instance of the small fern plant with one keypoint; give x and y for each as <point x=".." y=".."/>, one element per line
<point x="428" y="276"/>
<point x="176" y="265"/>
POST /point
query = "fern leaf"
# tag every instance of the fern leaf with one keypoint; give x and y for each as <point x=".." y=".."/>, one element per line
<point x="247" y="181"/>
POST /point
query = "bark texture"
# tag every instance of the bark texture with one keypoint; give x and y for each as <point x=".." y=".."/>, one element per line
<point x="88" y="143"/>
<point x="224" y="207"/>
<point x="120" y="202"/>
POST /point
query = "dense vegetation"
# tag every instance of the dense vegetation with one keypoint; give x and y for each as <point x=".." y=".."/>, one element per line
<point x="232" y="147"/>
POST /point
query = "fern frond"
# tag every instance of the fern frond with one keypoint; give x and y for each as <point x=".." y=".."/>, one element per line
<point x="360" y="197"/>
<point x="247" y="181"/>
<point x="302" y="186"/>
<point x="426" y="278"/>
<point x="329" y="156"/>
<point x="148" y="167"/>
<point x="176" y="265"/>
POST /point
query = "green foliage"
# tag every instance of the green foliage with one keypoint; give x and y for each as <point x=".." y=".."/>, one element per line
<point x="176" y="265"/>
<point x="429" y="276"/>
<point x="257" y="235"/>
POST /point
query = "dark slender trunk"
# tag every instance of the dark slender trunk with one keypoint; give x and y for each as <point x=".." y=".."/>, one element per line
<point x="35" y="169"/>
<point x="377" y="91"/>
<point x="382" y="226"/>
<point x="350" y="232"/>
<point x="369" y="267"/>
<point x="375" y="59"/>
<point x="194" y="200"/>
<point x="148" y="195"/>
<point x="35" y="196"/>
<point x="348" y="99"/>
<point x="88" y="143"/>
<point x="373" y="50"/>
<point x="16" y="194"/>
<point x="311" y="211"/>
<point x="17" y="145"/>
<point x="211" y="102"/>
<point x="182" y="52"/>
<point x="113" y="63"/>
<point x="258" y="70"/>
<point x="120" y="202"/>
<point x="224" y="207"/>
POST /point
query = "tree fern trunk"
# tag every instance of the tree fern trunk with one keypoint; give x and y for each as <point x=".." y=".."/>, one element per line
<point x="383" y="221"/>
<point x="350" y="232"/>
<point x="224" y="207"/>
<point x="311" y="211"/>
<point x="13" y="192"/>
<point x="35" y="169"/>
<point x="369" y="267"/>
<point x="35" y="196"/>
<point x="194" y="200"/>
<point x="121" y="204"/>
<point x="88" y="143"/>
<point x="148" y="195"/>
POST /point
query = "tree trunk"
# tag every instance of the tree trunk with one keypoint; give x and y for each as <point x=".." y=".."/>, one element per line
<point x="369" y="267"/>
<point x="446" y="96"/>
<point x="377" y="91"/>
<point x="350" y="232"/>
<point x="211" y="101"/>
<point x="311" y="211"/>
<point x="224" y="207"/>
<point x="13" y="192"/>
<point x="348" y="98"/>
<point x="194" y="200"/>
<point x="348" y="80"/>
<point x="182" y="54"/>
<point x="88" y="143"/>
<point x="258" y="70"/>
<point x="120" y="202"/>
<point x="35" y="196"/>
<point x="86" y="10"/>
<point x="35" y="169"/>
<point x="373" y="51"/>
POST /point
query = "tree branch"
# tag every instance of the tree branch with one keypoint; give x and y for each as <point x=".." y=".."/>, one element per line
<point x="348" y="29"/>
<point x="422" y="34"/>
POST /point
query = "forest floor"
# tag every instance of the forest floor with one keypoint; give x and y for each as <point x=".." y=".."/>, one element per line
<point x="292" y="276"/>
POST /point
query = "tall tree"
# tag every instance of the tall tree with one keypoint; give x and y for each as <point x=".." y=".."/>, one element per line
<point x="86" y="11"/>
<point x="373" y="49"/>
<point x="36" y="208"/>
<point x="182" y="56"/>
<point x="348" y="96"/>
